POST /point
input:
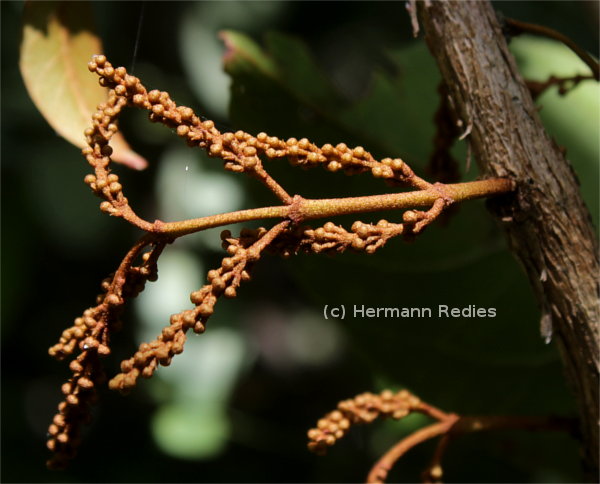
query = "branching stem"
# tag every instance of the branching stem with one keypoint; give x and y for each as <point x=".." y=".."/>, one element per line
<point x="518" y="27"/>
<point x="380" y="470"/>
<point x="451" y="426"/>
<point x="302" y="209"/>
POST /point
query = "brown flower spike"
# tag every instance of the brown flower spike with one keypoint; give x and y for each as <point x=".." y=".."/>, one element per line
<point x="89" y="339"/>
<point x="367" y="407"/>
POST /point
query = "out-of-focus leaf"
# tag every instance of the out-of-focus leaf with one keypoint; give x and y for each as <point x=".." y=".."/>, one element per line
<point x="263" y="89"/>
<point x="395" y="118"/>
<point x="242" y="50"/>
<point x="58" y="41"/>
<point x="398" y="111"/>
<point x="573" y="119"/>
<point x="299" y="73"/>
<point x="191" y="431"/>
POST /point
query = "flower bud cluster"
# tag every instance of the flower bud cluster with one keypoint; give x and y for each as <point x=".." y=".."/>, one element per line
<point x="240" y="151"/>
<point x="363" y="408"/>
<point x="64" y="433"/>
<point x="416" y="220"/>
<point x="333" y="239"/>
<point x="168" y="344"/>
<point x="223" y="281"/>
<point x="80" y="335"/>
<point x="90" y="336"/>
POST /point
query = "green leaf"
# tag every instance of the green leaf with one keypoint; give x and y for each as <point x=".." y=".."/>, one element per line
<point x="58" y="41"/>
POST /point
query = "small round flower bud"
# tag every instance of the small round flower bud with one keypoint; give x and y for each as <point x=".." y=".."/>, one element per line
<point x="103" y="350"/>
<point x="138" y="100"/>
<point x="327" y="149"/>
<point x="346" y="158"/>
<point x="323" y="424"/>
<point x="216" y="149"/>
<point x="106" y="207"/>
<point x="249" y="151"/>
<point x="154" y="96"/>
<point x="218" y="284"/>
<point x="359" y="151"/>
<point x="397" y="164"/>
<point x="115" y="188"/>
<point x="314" y="158"/>
<point x="358" y="244"/>
<point x="85" y="382"/>
<point x="99" y="59"/>
<point x="333" y="166"/>
<point x="205" y="310"/>
<point x="410" y="216"/>
<point x="66" y="388"/>
<point x="228" y="263"/>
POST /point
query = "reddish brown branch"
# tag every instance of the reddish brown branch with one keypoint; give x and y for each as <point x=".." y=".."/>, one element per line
<point x="367" y="407"/>
<point x="380" y="470"/>
<point x="451" y="426"/>
<point x="517" y="27"/>
<point x="564" y="84"/>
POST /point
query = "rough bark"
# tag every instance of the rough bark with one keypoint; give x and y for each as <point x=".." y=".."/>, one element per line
<point x="547" y="223"/>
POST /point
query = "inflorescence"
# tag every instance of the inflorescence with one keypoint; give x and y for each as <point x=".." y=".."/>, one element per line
<point x="88" y="340"/>
<point x="367" y="407"/>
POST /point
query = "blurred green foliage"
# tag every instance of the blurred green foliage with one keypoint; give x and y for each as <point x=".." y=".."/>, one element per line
<point x="237" y="404"/>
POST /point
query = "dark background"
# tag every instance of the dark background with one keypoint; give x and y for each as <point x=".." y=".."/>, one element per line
<point x="57" y="247"/>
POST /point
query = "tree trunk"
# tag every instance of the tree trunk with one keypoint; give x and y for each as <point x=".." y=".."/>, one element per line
<point x="547" y="223"/>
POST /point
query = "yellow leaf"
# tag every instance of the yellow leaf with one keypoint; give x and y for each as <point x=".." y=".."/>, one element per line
<point x="58" y="41"/>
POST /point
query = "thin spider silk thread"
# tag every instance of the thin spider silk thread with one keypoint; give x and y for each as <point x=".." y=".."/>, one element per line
<point x="137" y="36"/>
